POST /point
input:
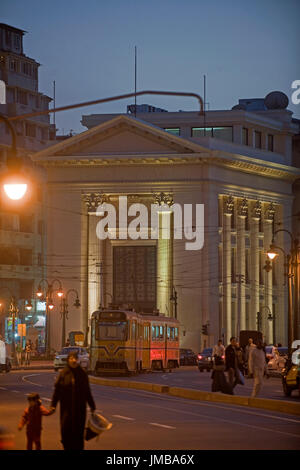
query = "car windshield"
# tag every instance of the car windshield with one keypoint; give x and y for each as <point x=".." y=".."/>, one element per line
<point x="67" y="351"/>
<point x="207" y="351"/>
<point x="112" y="330"/>
<point x="269" y="349"/>
<point x="283" y="351"/>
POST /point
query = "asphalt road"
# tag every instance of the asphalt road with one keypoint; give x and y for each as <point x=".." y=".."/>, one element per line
<point x="143" y="420"/>
<point x="190" y="377"/>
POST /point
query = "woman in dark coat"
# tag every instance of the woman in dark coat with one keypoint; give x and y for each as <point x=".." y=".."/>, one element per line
<point x="72" y="389"/>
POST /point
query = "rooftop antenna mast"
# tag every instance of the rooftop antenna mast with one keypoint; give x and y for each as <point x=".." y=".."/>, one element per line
<point x="54" y="103"/>
<point x="135" y="79"/>
<point x="204" y="107"/>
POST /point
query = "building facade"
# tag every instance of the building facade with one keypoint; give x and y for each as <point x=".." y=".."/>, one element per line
<point x="22" y="229"/>
<point x="236" y="163"/>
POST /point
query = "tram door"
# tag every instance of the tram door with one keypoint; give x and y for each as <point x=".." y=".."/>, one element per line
<point x="146" y="346"/>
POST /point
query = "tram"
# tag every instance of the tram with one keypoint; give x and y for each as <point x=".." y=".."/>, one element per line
<point x="124" y="341"/>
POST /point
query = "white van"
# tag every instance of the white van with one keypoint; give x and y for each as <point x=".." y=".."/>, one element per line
<point x="5" y="362"/>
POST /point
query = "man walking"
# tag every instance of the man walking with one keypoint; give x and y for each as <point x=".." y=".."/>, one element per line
<point x="231" y="362"/>
<point x="72" y="389"/>
<point x="248" y="351"/>
<point x="219" y="349"/>
<point x="257" y="367"/>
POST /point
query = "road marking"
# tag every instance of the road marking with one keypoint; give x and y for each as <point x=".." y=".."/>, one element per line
<point x="3" y="388"/>
<point x="124" y="417"/>
<point x="45" y="398"/>
<point x="162" y="425"/>
<point x="15" y="391"/>
<point x="207" y="404"/>
<point x="24" y="378"/>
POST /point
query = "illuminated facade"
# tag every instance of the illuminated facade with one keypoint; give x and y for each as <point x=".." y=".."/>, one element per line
<point x="245" y="190"/>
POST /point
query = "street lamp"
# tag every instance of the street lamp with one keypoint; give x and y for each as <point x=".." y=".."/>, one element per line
<point x="48" y="296"/>
<point x="64" y="311"/>
<point x="292" y="272"/>
<point x="15" y="185"/>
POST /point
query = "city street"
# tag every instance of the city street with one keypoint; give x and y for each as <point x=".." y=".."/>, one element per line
<point x="143" y="420"/>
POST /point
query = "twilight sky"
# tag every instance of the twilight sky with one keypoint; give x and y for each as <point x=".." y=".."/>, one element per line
<point x="245" y="48"/>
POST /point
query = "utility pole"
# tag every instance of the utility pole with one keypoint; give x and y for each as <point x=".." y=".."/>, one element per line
<point x="240" y="281"/>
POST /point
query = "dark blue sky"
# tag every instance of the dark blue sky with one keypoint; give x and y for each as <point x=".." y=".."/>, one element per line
<point x="245" y="48"/>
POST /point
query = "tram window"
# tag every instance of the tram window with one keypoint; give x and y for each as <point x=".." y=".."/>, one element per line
<point x="172" y="333"/>
<point x="133" y="330"/>
<point x="112" y="330"/>
<point x="157" y="332"/>
<point x="161" y="331"/>
<point x="146" y="332"/>
<point x="176" y="333"/>
<point x="168" y="332"/>
<point x="153" y="332"/>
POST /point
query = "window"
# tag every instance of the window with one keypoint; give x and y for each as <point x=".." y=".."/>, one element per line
<point x="245" y="136"/>
<point x="13" y="65"/>
<point x="270" y="142"/>
<point x="25" y="257"/>
<point x="22" y="97"/>
<point x="146" y="332"/>
<point x="257" y="139"/>
<point x="223" y="133"/>
<point x="27" y="68"/>
<point x="134" y="277"/>
<point x="30" y="130"/>
<point x="153" y="332"/>
<point x="176" y="333"/>
<point x="112" y="330"/>
<point x="26" y="223"/>
<point x="173" y="130"/>
<point x="17" y="41"/>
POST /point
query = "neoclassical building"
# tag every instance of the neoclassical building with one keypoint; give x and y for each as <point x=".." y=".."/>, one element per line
<point x="246" y="191"/>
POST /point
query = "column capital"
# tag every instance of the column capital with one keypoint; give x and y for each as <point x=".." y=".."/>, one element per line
<point x="163" y="199"/>
<point x="228" y="205"/>
<point x="243" y="209"/>
<point x="270" y="213"/>
<point x="93" y="200"/>
<point x="256" y="211"/>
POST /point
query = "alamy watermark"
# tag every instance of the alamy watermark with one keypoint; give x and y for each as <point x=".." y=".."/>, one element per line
<point x="166" y="222"/>
<point x="296" y="94"/>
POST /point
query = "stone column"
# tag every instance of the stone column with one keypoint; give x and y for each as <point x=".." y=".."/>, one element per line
<point x="95" y="255"/>
<point x="254" y="263"/>
<point x="226" y="278"/>
<point x="268" y="234"/>
<point x="164" y="255"/>
<point x="241" y="261"/>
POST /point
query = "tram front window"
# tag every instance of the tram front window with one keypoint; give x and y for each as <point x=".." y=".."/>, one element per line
<point x="110" y="331"/>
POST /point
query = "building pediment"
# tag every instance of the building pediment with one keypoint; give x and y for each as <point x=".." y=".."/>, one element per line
<point x="122" y="135"/>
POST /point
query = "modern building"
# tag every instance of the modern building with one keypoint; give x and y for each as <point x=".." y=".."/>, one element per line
<point x="237" y="163"/>
<point x="22" y="232"/>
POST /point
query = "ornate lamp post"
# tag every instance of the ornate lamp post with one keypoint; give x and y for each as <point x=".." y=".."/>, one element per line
<point x="64" y="311"/>
<point x="48" y="296"/>
<point x="292" y="272"/>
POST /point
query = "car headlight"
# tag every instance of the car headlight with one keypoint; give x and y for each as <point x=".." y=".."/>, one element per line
<point x="57" y="358"/>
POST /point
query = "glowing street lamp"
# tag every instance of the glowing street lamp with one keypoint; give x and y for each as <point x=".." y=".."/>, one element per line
<point x="14" y="184"/>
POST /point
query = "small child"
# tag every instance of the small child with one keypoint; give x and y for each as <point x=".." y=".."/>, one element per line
<point x="32" y="417"/>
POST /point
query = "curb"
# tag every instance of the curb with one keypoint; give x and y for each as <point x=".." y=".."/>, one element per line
<point x="264" y="403"/>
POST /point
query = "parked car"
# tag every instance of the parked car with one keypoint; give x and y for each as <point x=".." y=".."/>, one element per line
<point x="205" y="360"/>
<point x="60" y="359"/>
<point x="290" y="376"/>
<point x="278" y="360"/>
<point x="187" y="357"/>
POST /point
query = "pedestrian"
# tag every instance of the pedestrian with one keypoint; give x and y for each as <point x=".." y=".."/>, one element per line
<point x="248" y="350"/>
<point x="240" y="360"/>
<point x="231" y="362"/>
<point x="72" y="390"/>
<point x="19" y="354"/>
<point x="257" y="367"/>
<point x="219" y="349"/>
<point x="219" y="382"/>
<point x="27" y="353"/>
<point x="32" y="417"/>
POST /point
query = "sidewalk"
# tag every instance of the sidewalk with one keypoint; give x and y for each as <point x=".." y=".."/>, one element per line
<point x="35" y="365"/>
